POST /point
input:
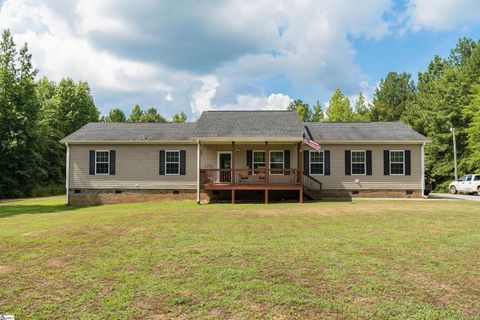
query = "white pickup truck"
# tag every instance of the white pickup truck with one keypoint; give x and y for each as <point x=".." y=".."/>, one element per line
<point x="466" y="184"/>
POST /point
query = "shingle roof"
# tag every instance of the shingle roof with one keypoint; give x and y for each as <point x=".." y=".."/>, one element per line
<point x="249" y="124"/>
<point x="361" y="131"/>
<point x="114" y="131"/>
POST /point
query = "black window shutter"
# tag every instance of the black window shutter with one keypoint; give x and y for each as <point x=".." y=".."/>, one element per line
<point x="183" y="162"/>
<point x="306" y="161"/>
<point x="112" y="162"/>
<point x="369" y="162"/>
<point x="326" y="155"/>
<point x="408" y="163"/>
<point x="162" y="162"/>
<point x="286" y="160"/>
<point x="92" y="162"/>
<point x="348" y="162"/>
<point x="249" y="159"/>
<point x="386" y="162"/>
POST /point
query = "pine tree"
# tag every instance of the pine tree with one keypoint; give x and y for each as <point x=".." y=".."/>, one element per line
<point x="20" y="160"/>
<point x="302" y="108"/>
<point x="136" y="115"/>
<point x="317" y="115"/>
<point x="339" y="108"/>
<point x="179" y="117"/>
<point x="115" y="115"/>
<point x="392" y="96"/>
<point x="362" y="113"/>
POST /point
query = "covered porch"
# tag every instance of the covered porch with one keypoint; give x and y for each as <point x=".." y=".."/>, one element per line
<point x="246" y="165"/>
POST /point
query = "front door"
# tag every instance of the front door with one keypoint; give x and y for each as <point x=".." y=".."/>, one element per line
<point x="225" y="162"/>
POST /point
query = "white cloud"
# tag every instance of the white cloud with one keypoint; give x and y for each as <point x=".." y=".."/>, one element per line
<point x="150" y="52"/>
<point x="442" y="15"/>
<point x="169" y="97"/>
<point x="202" y="99"/>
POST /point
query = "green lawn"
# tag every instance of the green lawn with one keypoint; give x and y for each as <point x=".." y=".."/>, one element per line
<point x="367" y="259"/>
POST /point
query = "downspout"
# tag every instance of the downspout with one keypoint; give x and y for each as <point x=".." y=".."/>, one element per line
<point x="198" y="171"/>
<point x="422" y="154"/>
<point x="67" y="175"/>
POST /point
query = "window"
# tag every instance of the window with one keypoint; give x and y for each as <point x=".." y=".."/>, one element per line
<point x="477" y="178"/>
<point x="469" y="178"/>
<point x="102" y="162"/>
<point x="316" y="162"/>
<point x="358" y="162"/>
<point x="462" y="178"/>
<point x="397" y="162"/>
<point x="277" y="161"/>
<point x="172" y="162"/>
<point x="258" y="159"/>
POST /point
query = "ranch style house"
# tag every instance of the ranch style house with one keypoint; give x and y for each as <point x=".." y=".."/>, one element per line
<point x="243" y="155"/>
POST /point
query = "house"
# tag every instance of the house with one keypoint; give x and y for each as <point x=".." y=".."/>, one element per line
<point x="235" y="154"/>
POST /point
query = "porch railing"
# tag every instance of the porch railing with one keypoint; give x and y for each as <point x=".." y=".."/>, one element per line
<point x="258" y="176"/>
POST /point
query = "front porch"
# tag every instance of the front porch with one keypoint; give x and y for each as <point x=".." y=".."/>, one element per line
<point x="261" y="166"/>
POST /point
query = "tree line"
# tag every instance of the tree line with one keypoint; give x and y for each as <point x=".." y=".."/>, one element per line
<point x="35" y="115"/>
<point x="445" y="95"/>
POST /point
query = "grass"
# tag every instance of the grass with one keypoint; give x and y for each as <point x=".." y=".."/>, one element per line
<point x="364" y="259"/>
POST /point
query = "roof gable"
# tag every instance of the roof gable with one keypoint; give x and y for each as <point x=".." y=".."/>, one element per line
<point x="249" y="124"/>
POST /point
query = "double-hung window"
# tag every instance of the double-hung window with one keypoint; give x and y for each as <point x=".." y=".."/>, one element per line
<point x="317" y="162"/>
<point x="397" y="162"/>
<point x="258" y="159"/>
<point x="277" y="161"/>
<point x="172" y="162"/>
<point x="358" y="162"/>
<point x="102" y="162"/>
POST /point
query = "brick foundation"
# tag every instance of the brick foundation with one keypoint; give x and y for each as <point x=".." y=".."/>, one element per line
<point x="87" y="197"/>
<point x="349" y="194"/>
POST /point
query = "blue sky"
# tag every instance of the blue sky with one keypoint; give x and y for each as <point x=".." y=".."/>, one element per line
<point x="193" y="56"/>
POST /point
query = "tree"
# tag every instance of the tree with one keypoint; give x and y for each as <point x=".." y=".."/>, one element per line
<point x="361" y="110"/>
<point x="20" y="158"/>
<point x="473" y="132"/>
<point x="302" y="108"/>
<point x="115" y="115"/>
<point x="136" y="115"/>
<point x="339" y="108"/>
<point x="392" y="96"/>
<point x="179" y="117"/>
<point x="152" y="115"/>
<point x="66" y="107"/>
<point x="317" y="114"/>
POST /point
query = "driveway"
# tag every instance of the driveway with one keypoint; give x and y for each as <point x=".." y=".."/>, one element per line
<point x="448" y="196"/>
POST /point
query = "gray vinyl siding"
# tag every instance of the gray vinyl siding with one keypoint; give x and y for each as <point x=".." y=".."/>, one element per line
<point x="209" y="156"/>
<point x="377" y="181"/>
<point x="135" y="164"/>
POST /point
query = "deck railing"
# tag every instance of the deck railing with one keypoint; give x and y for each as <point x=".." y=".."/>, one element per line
<point x="258" y="176"/>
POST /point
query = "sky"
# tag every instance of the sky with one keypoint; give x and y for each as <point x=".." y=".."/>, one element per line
<point x="194" y="56"/>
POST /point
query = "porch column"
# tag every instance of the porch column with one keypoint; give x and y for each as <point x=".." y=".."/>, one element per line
<point x="233" y="196"/>
<point x="300" y="162"/>
<point x="267" y="162"/>
<point x="198" y="171"/>
<point x="266" y="196"/>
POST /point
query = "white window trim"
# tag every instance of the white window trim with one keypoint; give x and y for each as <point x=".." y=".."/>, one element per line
<point x="310" y="162"/>
<point x="172" y="174"/>
<point x="108" y="163"/>
<point x="253" y="159"/>
<point x="270" y="160"/>
<point x="390" y="163"/>
<point x="364" y="163"/>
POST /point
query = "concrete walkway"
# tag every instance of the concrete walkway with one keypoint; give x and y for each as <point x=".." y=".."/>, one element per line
<point x="459" y="196"/>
